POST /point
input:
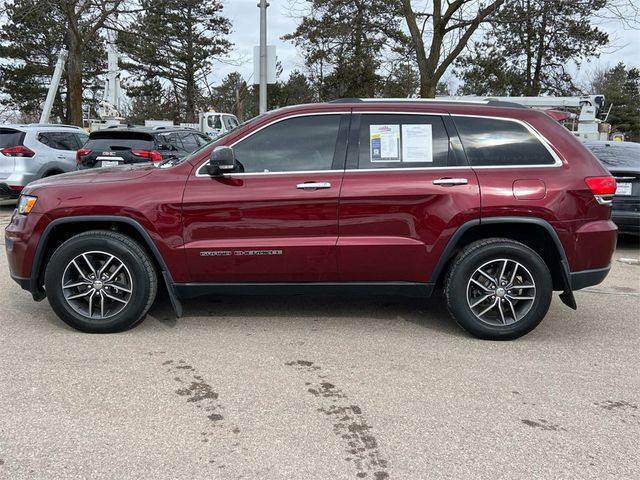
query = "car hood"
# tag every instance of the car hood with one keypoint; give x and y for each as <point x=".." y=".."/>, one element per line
<point x="94" y="175"/>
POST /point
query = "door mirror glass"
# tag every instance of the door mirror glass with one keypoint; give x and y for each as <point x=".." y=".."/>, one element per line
<point x="222" y="160"/>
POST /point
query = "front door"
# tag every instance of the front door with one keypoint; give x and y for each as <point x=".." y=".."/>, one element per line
<point x="406" y="189"/>
<point x="275" y="219"/>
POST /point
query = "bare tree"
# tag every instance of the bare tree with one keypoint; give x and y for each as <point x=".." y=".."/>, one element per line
<point x="84" y="19"/>
<point x="448" y="26"/>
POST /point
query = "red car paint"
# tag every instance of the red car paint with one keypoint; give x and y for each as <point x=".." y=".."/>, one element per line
<point x="369" y="226"/>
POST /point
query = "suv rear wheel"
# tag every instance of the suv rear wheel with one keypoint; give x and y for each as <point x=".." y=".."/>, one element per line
<point x="100" y="282"/>
<point x="498" y="289"/>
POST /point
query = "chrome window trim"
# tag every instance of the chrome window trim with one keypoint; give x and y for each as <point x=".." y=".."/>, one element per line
<point x="541" y="138"/>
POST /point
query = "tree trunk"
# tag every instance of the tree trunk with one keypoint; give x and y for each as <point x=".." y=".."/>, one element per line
<point x="74" y="69"/>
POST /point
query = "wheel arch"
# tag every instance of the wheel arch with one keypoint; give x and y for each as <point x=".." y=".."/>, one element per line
<point x="536" y="233"/>
<point x="60" y="230"/>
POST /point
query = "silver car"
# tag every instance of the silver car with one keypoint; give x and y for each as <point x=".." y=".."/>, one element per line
<point x="30" y="152"/>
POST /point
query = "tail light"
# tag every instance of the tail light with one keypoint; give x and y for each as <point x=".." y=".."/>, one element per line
<point x="17" y="151"/>
<point x="150" y="154"/>
<point x="603" y="188"/>
<point x="81" y="153"/>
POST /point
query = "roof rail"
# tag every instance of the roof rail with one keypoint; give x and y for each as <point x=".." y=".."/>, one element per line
<point x="404" y="100"/>
<point x="53" y="125"/>
<point x="487" y="101"/>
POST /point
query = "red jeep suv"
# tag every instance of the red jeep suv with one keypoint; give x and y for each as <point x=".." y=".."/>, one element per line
<point x="499" y="205"/>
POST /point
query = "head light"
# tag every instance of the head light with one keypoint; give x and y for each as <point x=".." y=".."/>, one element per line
<point x="26" y="204"/>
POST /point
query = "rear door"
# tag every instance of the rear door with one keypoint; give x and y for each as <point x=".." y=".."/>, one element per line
<point x="63" y="154"/>
<point x="405" y="191"/>
<point x="276" y="218"/>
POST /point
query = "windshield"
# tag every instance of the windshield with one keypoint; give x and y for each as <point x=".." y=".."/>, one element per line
<point x="170" y="162"/>
<point x="617" y="154"/>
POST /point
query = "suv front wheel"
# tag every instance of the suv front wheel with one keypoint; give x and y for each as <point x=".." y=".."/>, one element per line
<point x="100" y="282"/>
<point x="498" y="289"/>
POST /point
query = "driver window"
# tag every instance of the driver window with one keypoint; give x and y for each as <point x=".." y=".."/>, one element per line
<point x="295" y="144"/>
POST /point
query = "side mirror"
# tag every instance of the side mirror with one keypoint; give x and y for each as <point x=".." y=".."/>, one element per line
<point x="222" y="160"/>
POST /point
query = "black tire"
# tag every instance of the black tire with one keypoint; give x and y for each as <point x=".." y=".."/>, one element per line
<point x="513" y="318"/>
<point x="137" y="268"/>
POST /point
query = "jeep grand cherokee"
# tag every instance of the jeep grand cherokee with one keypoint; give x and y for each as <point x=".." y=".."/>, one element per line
<point x="497" y="205"/>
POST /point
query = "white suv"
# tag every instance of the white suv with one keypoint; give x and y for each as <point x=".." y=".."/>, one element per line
<point x="30" y="152"/>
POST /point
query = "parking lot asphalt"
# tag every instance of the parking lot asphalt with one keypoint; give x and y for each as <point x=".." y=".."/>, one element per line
<point x="323" y="388"/>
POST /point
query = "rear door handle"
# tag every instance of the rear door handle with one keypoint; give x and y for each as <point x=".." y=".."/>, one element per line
<point x="313" y="185"/>
<point x="451" y="181"/>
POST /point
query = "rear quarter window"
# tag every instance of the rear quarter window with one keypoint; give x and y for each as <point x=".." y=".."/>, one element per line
<point x="496" y="142"/>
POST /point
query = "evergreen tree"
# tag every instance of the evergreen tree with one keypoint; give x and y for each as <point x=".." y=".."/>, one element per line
<point x="528" y="46"/>
<point x="621" y="88"/>
<point x="176" y="41"/>
<point x="342" y="42"/>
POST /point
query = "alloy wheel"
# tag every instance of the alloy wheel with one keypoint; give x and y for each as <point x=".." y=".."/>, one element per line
<point x="97" y="285"/>
<point x="501" y="292"/>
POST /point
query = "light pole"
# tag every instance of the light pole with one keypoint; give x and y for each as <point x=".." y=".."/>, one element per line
<point x="263" y="55"/>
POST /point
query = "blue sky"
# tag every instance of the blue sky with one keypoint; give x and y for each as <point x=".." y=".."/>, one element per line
<point x="244" y="15"/>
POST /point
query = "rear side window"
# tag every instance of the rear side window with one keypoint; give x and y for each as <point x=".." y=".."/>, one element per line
<point x="189" y="141"/>
<point x="10" y="137"/>
<point x="295" y="144"/>
<point x="494" y="142"/>
<point x="402" y="141"/>
<point x="113" y="141"/>
<point x="59" y="140"/>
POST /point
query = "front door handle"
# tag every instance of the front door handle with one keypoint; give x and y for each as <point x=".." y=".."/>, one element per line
<point x="451" y="181"/>
<point x="313" y="185"/>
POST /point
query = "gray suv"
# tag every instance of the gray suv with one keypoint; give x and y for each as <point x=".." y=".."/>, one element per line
<point x="30" y="152"/>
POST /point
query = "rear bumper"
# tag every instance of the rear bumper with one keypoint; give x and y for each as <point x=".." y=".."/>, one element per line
<point x="588" y="278"/>
<point x="7" y="193"/>
<point x="627" y="222"/>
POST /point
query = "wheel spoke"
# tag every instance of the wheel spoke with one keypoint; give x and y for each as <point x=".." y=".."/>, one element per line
<point x="513" y="274"/>
<point x="76" y="284"/>
<point x="481" y="272"/>
<point x="119" y="287"/>
<point x="114" y="298"/>
<point x="101" y="304"/>
<point x="504" y="321"/>
<point x="81" y="295"/>
<point x="516" y="287"/>
<point x="486" y="289"/>
<point x="512" y="297"/>
<point x="91" y="268"/>
<point x="504" y="267"/>
<point x="488" y="308"/>
<point x="114" y="273"/>
<point x="478" y="302"/>
<point x="513" y="310"/>
<point x="82" y="275"/>
<point x="105" y="265"/>
<point x="91" y="305"/>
